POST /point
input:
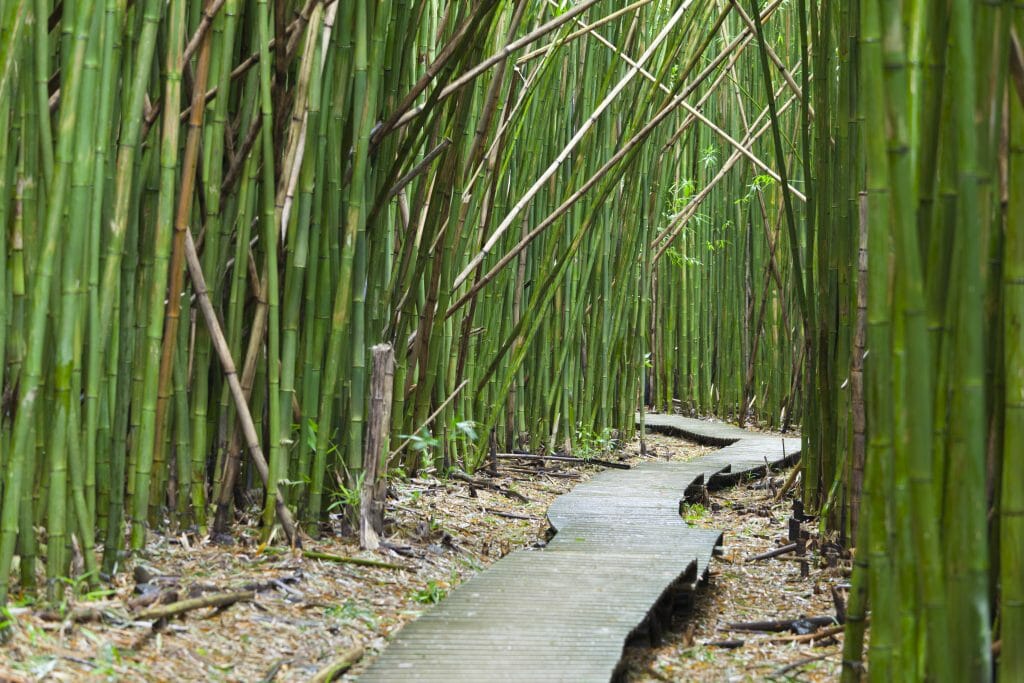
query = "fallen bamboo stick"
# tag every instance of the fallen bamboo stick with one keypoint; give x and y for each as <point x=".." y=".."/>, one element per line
<point x="773" y="553"/>
<point x="776" y="625"/>
<point x="807" y="637"/>
<point x="481" y="484"/>
<point x="565" y="458"/>
<point x="510" y="515"/>
<point x="182" y="606"/>
<point x="731" y="644"/>
<point x="796" y="665"/>
<point x="341" y="559"/>
<point x="338" y="665"/>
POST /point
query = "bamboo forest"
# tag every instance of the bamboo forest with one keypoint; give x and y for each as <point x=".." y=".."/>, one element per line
<point x="311" y="310"/>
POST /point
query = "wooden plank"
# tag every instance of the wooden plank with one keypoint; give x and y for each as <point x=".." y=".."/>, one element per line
<point x="565" y="612"/>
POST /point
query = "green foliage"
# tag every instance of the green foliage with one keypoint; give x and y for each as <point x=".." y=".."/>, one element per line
<point x="717" y="244"/>
<point x="594" y="444"/>
<point x="709" y="157"/>
<point x="680" y="195"/>
<point x="351" y="611"/>
<point x="464" y="430"/>
<point x="425" y="443"/>
<point x="347" y="497"/>
<point x="471" y="563"/>
<point x="431" y="594"/>
<point x="6" y="622"/>
<point x="694" y="512"/>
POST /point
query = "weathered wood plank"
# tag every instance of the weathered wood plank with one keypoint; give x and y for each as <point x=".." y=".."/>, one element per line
<point x="565" y="613"/>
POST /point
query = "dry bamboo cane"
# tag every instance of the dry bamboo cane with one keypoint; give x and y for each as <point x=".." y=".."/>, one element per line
<point x="244" y="415"/>
<point x="181" y="226"/>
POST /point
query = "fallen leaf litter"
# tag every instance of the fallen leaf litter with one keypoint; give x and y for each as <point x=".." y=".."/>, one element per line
<point x="301" y="613"/>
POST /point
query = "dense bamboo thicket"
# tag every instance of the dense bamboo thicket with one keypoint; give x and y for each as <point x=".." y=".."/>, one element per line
<point x="782" y="212"/>
<point x="726" y="329"/>
<point x="212" y="210"/>
<point x="899" y="297"/>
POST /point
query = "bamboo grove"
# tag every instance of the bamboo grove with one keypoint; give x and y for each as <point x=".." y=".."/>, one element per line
<point x="787" y="212"/>
<point x="893" y="331"/>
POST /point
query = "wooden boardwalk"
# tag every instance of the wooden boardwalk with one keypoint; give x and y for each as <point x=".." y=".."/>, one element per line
<point x="620" y="555"/>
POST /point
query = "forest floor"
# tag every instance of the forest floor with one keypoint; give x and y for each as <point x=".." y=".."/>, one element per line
<point x="701" y="646"/>
<point x="301" y="613"/>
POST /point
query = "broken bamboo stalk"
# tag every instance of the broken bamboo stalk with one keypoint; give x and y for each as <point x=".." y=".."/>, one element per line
<point x="371" y="500"/>
<point x="790" y="480"/>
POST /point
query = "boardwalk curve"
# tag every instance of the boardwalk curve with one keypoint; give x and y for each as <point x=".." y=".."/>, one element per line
<point x="620" y="554"/>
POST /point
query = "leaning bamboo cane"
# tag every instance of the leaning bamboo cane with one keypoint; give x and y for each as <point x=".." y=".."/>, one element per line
<point x="195" y="270"/>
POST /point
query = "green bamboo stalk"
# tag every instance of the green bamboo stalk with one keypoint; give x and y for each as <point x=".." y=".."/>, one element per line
<point x="914" y="443"/>
<point x="354" y="217"/>
<point x="965" y="494"/>
<point x="176" y="268"/>
<point x="161" y="239"/>
<point x="883" y="654"/>
<point x="31" y="380"/>
<point x="1011" y="520"/>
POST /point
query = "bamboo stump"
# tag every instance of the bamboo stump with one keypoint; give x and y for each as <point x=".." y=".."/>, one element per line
<point x="371" y="499"/>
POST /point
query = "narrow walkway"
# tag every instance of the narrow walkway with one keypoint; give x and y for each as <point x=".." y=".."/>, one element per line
<point x="564" y="613"/>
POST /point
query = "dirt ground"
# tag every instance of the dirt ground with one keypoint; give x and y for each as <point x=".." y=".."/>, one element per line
<point x="300" y="613"/>
<point x="702" y="646"/>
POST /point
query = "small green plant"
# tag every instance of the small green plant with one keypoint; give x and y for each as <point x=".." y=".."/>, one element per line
<point x="694" y="512"/>
<point x="431" y="594"/>
<point x="306" y="434"/>
<point x="347" y="497"/>
<point x="423" y="443"/>
<point x="681" y="194"/>
<point x="465" y="430"/>
<point x="756" y="187"/>
<point x="309" y="433"/>
<point x="591" y="444"/>
<point x="471" y="563"/>
<point x="461" y="435"/>
<point x="350" y="611"/>
<point x="709" y="156"/>
<point x="99" y="594"/>
<point x="680" y="260"/>
<point x="109" y="659"/>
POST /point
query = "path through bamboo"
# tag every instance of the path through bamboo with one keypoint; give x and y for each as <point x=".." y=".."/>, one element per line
<point x="564" y="613"/>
